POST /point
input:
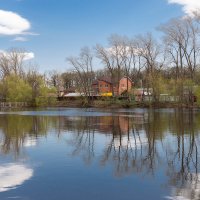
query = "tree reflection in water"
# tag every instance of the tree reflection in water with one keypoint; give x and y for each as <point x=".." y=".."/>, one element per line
<point x="17" y="131"/>
<point x="183" y="161"/>
<point x="133" y="143"/>
<point x="145" y="143"/>
<point x="83" y="140"/>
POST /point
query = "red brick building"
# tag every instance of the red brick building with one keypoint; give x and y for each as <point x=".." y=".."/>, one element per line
<point x="104" y="85"/>
<point x="125" y="84"/>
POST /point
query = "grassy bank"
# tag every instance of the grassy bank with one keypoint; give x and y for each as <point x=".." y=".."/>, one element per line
<point x="121" y="104"/>
<point x="111" y="103"/>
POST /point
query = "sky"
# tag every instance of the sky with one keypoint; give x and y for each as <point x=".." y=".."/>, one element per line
<point x="51" y="30"/>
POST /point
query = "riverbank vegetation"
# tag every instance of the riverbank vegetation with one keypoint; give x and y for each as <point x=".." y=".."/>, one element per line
<point x="168" y="66"/>
<point x="20" y="81"/>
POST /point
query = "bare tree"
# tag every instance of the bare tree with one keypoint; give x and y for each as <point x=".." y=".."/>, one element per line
<point x="69" y="80"/>
<point x="12" y="62"/>
<point x="114" y="58"/>
<point x="108" y="61"/>
<point x="119" y="53"/>
<point x="83" y="66"/>
<point x="150" y="51"/>
<point x="34" y="79"/>
<point x="181" y="37"/>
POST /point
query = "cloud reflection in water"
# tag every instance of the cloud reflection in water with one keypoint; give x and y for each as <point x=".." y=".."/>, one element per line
<point x="191" y="190"/>
<point x="13" y="175"/>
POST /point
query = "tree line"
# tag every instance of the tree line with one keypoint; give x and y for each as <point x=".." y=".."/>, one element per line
<point x="168" y="64"/>
<point x="165" y="65"/>
<point x="20" y="81"/>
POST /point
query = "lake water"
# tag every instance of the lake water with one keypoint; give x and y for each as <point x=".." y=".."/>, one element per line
<point x="93" y="154"/>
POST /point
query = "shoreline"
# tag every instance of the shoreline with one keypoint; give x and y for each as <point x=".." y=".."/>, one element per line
<point x="105" y="104"/>
<point x="120" y="104"/>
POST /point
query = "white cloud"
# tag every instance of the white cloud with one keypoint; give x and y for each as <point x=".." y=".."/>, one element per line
<point x="124" y="51"/>
<point x="29" y="56"/>
<point x="12" y="23"/>
<point x="13" y="175"/>
<point x="31" y="33"/>
<point x="20" y="39"/>
<point x="26" y="55"/>
<point x="189" y="6"/>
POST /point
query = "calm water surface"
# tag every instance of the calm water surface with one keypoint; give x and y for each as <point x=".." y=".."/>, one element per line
<point x="91" y="154"/>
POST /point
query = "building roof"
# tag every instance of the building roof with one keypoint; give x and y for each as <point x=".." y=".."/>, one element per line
<point x="105" y="79"/>
<point x="74" y="94"/>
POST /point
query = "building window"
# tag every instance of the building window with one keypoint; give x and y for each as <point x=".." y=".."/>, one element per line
<point x="122" y="85"/>
<point x="106" y="85"/>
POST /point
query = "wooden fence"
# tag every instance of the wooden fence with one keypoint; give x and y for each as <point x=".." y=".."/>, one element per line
<point x="162" y="98"/>
<point x="14" y="104"/>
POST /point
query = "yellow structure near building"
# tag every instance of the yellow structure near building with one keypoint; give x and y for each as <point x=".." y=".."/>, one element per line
<point x="106" y="94"/>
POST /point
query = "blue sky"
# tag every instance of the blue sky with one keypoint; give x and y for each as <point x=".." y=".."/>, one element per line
<point x="56" y="29"/>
